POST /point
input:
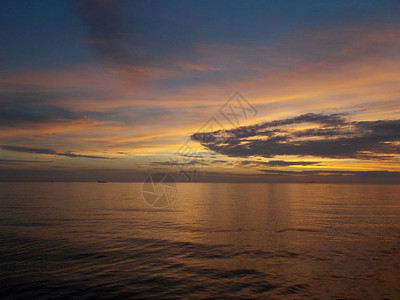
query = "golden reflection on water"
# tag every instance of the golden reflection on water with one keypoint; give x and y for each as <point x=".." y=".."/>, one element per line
<point x="304" y="240"/>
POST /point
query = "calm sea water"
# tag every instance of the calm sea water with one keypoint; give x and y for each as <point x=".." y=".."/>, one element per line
<point x="267" y="241"/>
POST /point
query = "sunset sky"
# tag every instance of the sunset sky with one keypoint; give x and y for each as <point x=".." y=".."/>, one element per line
<point x="246" y="91"/>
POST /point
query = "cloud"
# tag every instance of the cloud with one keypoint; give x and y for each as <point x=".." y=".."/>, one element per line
<point x="332" y="136"/>
<point x="381" y="177"/>
<point x="105" y="37"/>
<point x="19" y="115"/>
<point x="173" y="163"/>
<point x="322" y="174"/>
<point x="49" y="152"/>
<point x="16" y="161"/>
<point x="278" y="163"/>
<point x="287" y="59"/>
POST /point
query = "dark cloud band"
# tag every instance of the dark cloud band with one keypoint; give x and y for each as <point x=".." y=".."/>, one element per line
<point x="333" y="136"/>
<point x="49" y="152"/>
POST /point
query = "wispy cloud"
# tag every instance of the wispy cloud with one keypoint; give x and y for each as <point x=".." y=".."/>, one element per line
<point x="49" y="152"/>
<point x="105" y="36"/>
<point x="278" y="163"/>
<point x="17" y="161"/>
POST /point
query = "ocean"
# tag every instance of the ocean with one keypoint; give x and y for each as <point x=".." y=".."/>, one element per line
<point x="215" y="240"/>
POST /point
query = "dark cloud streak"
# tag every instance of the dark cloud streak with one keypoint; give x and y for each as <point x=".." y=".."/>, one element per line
<point x="279" y="163"/>
<point x="334" y="137"/>
<point x="16" y="161"/>
<point x="49" y="152"/>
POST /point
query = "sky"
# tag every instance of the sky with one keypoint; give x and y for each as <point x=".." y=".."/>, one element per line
<point x="241" y="91"/>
